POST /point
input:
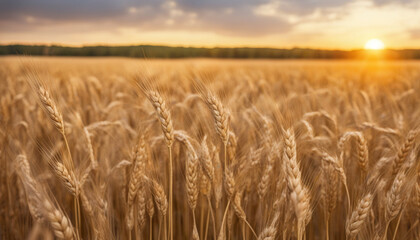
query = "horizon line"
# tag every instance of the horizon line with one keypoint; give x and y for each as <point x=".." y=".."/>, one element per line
<point x="196" y="46"/>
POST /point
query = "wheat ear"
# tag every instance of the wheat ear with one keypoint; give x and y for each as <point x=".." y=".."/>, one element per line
<point x="231" y="147"/>
<point x="163" y="114"/>
<point x="41" y="206"/>
<point x="93" y="162"/>
<point x="57" y="119"/>
<point x="168" y="131"/>
<point x="67" y="178"/>
<point x="150" y="207"/>
<point x="338" y="167"/>
<point x="32" y="193"/>
<point x="400" y="190"/>
<point x="160" y="197"/>
<point x="298" y="192"/>
<point x="191" y="167"/>
<point x="205" y="159"/>
<point x="269" y="233"/>
<point x="221" y="120"/>
<point x="51" y="108"/>
<point x="263" y="184"/>
<point x="362" y="152"/>
<point x="192" y="180"/>
<point x="404" y="151"/>
<point x="362" y="148"/>
<point x="139" y="162"/>
<point x="229" y="183"/>
<point x="141" y="207"/>
<point x="329" y="187"/>
<point x="220" y="116"/>
<point x="59" y="222"/>
<point x="358" y="216"/>
<point x="192" y="188"/>
<point x="394" y="199"/>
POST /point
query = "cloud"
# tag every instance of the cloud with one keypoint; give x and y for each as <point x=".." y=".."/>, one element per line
<point x="381" y="2"/>
<point x="70" y="10"/>
<point x="233" y="18"/>
<point x="238" y="21"/>
<point x="415" y="34"/>
<point x="229" y="17"/>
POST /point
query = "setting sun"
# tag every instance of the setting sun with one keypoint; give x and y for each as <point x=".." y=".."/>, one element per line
<point x="374" y="44"/>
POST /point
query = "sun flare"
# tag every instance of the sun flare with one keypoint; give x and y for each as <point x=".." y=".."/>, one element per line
<point x="374" y="44"/>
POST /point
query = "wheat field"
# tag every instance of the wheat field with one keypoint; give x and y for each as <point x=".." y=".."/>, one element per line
<point x="109" y="148"/>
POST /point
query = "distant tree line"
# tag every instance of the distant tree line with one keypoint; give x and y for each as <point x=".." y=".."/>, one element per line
<point x="149" y="51"/>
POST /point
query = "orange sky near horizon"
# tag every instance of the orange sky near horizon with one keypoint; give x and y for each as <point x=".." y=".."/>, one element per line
<point x="330" y="24"/>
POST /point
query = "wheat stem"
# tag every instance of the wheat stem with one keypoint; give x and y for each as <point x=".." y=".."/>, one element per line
<point x="170" y="194"/>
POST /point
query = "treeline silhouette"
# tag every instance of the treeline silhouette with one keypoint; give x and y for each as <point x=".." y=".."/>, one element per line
<point x="149" y="51"/>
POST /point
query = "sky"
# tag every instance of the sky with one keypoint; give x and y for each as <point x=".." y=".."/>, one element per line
<point x="326" y="24"/>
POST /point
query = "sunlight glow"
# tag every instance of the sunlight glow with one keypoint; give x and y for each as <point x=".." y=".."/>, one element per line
<point x="374" y="44"/>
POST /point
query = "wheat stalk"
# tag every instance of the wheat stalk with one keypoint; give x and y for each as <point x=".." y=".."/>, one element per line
<point x="239" y="211"/>
<point x="57" y="119"/>
<point x="168" y="131"/>
<point x="365" y="141"/>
